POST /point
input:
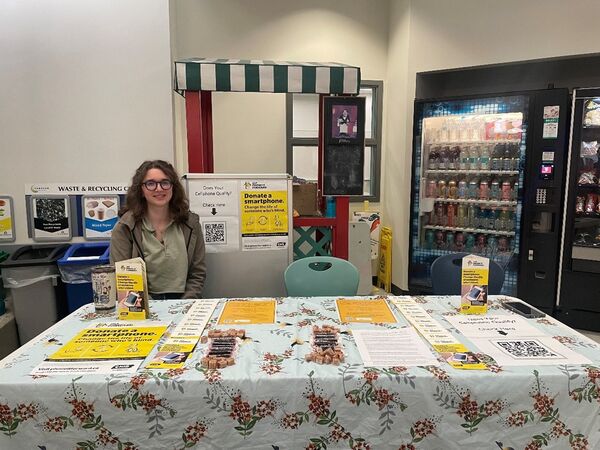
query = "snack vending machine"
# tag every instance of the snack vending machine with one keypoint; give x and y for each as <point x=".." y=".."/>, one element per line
<point x="578" y="304"/>
<point x="488" y="179"/>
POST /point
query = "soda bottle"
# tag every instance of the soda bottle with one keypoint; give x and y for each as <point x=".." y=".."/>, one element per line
<point x="480" y="243"/>
<point x="440" y="214"/>
<point x="507" y="159"/>
<point x="469" y="242"/>
<point x="494" y="220"/>
<point x="432" y="188"/>
<point x="464" y="158"/>
<point x="484" y="189"/>
<point x="441" y="189"/>
<point x="440" y="242"/>
<point x="462" y="214"/>
<point x="459" y="242"/>
<point x="509" y="221"/>
<point x="452" y="189"/>
<point x="515" y="191"/>
<point x="482" y="218"/>
<point x="497" y="153"/>
<point x="516" y="153"/>
<point x="474" y="157"/>
<point x="472" y="214"/>
<point x="502" y="244"/>
<point x="443" y="160"/>
<point x="495" y="190"/>
<point x="506" y="190"/>
<point x="492" y="245"/>
<point x="462" y="189"/>
<point x="451" y="214"/>
<point x="473" y="191"/>
<point x="434" y="156"/>
<point x="453" y="157"/>
<point x="484" y="159"/>
<point x="429" y="239"/>
<point x="450" y="241"/>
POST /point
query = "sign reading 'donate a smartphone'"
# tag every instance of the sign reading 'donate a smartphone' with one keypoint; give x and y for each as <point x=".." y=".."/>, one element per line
<point x="474" y="281"/>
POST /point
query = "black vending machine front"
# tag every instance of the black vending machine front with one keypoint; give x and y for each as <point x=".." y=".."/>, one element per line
<point x="578" y="304"/>
<point x="543" y="196"/>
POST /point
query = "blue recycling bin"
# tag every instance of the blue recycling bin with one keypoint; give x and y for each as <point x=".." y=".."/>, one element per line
<point x="76" y="271"/>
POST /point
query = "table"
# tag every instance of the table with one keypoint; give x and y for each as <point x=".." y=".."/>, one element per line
<point x="273" y="399"/>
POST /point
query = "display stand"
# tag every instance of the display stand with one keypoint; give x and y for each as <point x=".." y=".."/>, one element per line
<point x="196" y="78"/>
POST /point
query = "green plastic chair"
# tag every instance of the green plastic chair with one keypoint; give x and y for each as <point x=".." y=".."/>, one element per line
<point x="321" y="276"/>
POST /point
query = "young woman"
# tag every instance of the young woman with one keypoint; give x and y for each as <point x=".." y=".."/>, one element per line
<point x="157" y="226"/>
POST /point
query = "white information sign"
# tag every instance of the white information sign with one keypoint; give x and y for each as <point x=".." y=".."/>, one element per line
<point x="389" y="348"/>
<point x="217" y="204"/>
<point x="494" y="326"/>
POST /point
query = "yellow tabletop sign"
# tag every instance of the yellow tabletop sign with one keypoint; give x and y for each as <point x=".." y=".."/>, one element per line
<point x="236" y="312"/>
<point x="365" y="311"/>
<point x="110" y="343"/>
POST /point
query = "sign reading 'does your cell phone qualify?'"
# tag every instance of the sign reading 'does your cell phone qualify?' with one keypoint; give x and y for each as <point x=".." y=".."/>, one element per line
<point x="474" y="281"/>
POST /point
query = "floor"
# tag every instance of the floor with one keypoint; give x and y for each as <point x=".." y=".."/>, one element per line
<point x="591" y="334"/>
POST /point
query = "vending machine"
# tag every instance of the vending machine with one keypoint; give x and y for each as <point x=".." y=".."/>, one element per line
<point x="578" y="303"/>
<point x="488" y="179"/>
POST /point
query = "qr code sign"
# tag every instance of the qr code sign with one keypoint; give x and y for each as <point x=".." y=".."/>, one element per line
<point x="215" y="233"/>
<point x="527" y="349"/>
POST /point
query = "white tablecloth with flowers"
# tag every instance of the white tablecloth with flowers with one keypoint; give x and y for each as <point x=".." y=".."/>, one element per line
<point x="272" y="399"/>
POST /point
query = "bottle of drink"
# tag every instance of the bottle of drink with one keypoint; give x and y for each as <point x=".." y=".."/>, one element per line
<point x="462" y="214"/>
<point x="450" y="241"/>
<point x="484" y="158"/>
<point x="469" y="242"/>
<point x="429" y="239"/>
<point x="484" y="189"/>
<point x="441" y="189"/>
<point x="507" y="158"/>
<point x="452" y="189"/>
<point x="492" y="245"/>
<point x="432" y="188"/>
<point x="472" y="216"/>
<point x="473" y="191"/>
<point x="474" y="157"/>
<point x="495" y="223"/>
<point x="443" y="160"/>
<point x="482" y="219"/>
<point x="497" y="154"/>
<point x="510" y="221"/>
<point x="480" y="244"/>
<point x="503" y="220"/>
<point x="440" y="241"/>
<point x="506" y="190"/>
<point x="495" y="190"/>
<point x="451" y="214"/>
<point x="464" y="158"/>
<point x="453" y="158"/>
<point x="516" y="154"/>
<point x="434" y="157"/>
<point x="515" y="191"/>
<point x="462" y="189"/>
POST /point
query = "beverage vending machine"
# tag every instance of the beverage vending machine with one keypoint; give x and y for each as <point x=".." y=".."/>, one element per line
<point x="488" y="179"/>
<point x="578" y="304"/>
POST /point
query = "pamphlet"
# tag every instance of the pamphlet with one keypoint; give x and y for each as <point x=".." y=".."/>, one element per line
<point x="247" y="312"/>
<point x="389" y="348"/>
<point x="132" y="289"/>
<point x="364" y="311"/>
<point x="474" y="282"/>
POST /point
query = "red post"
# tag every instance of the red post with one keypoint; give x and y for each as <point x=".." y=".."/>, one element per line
<point x="340" y="233"/>
<point x="198" y="116"/>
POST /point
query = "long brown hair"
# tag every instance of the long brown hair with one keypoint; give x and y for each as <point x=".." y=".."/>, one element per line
<point x="136" y="203"/>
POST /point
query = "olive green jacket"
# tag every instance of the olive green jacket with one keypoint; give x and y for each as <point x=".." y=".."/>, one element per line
<point x="126" y="243"/>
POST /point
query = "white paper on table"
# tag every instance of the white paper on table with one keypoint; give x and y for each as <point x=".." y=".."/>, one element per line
<point x="507" y="326"/>
<point x="389" y="348"/>
<point x="529" y="351"/>
<point x="110" y="366"/>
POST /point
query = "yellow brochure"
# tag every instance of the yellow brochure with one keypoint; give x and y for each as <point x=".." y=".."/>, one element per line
<point x="247" y="312"/>
<point x="174" y="353"/>
<point x="110" y="343"/>
<point x="364" y="311"/>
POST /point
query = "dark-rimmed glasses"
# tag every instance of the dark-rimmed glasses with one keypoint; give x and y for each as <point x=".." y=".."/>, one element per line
<point x="151" y="185"/>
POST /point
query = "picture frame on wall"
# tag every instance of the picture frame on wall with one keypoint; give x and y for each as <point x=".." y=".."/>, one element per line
<point x="343" y="146"/>
<point x="50" y="218"/>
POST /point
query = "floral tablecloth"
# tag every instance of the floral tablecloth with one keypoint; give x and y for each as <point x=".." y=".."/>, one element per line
<point x="272" y="399"/>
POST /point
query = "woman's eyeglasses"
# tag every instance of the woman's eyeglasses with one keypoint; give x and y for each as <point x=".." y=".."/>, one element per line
<point x="151" y="185"/>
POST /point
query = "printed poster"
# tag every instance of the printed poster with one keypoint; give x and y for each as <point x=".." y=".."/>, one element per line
<point x="217" y="204"/>
<point x="100" y="215"/>
<point x="551" y="115"/>
<point x="264" y="215"/>
<point x="239" y="312"/>
<point x="7" y="226"/>
<point x="111" y="342"/>
<point x="50" y="218"/>
<point x="364" y="311"/>
<point x="474" y="284"/>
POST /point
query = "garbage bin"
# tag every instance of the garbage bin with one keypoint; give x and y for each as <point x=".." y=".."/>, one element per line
<point x="38" y="295"/>
<point x="76" y="271"/>
<point x="3" y="256"/>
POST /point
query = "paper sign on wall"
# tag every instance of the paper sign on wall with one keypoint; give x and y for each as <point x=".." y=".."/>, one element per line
<point x="7" y="225"/>
<point x="100" y="215"/>
<point x="474" y="284"/>
<point x="50" y="218"/>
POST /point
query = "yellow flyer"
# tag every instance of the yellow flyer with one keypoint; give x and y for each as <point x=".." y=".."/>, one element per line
<point x="110" y="343"/>
<point x="365" y="311"/>
<point x="238" y="312"/>
<point x="474" y="284"/>
<point x="174" y="353"/>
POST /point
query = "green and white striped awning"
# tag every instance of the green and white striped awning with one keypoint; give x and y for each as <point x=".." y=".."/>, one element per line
<point x="244" y="75"/>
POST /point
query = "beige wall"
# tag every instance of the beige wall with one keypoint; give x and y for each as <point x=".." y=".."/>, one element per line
<point x="85" y="91"/>
<point x="438" y="34"/>
<point x="249" y="129"/>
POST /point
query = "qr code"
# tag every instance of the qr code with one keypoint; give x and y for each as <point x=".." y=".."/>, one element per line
<point x="527" y="349"/>
<point x="214" y="233"/>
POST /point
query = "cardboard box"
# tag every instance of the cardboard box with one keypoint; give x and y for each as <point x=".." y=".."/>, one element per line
<point x="132" y="289"/>
<point x="305" y="199"/>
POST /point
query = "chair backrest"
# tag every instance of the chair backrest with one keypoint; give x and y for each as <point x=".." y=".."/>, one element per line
<point x="446" y="274"/>
<point x="320" y="276"/>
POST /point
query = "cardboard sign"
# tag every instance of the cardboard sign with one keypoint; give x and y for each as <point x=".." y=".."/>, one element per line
<point x="474" y="281"/>
<point x="364" y="311"/>
<point x="132" y="289"/>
